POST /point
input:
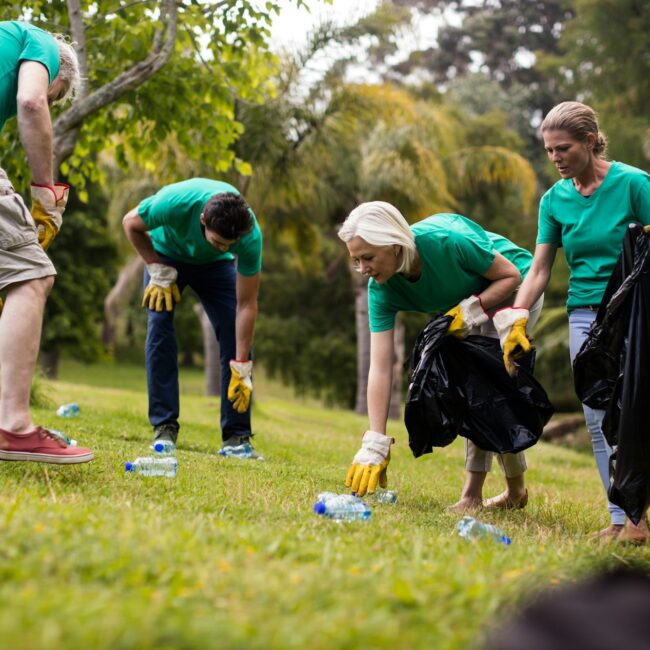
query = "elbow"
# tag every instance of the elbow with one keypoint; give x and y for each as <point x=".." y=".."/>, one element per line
<point x="31" y="105"/>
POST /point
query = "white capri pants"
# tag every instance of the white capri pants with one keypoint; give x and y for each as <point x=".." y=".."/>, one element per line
<point x="477" y="459"/>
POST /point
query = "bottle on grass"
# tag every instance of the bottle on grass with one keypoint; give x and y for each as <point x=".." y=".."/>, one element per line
<point x="153" y="466"/>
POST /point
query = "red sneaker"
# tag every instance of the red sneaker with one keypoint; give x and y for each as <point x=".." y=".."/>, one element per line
<point x="41" y="446"/>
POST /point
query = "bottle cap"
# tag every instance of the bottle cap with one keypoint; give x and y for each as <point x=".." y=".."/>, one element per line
<point x="158" y="446"/>
<point x="319" y="508"/>
<point x="129" y="467"/>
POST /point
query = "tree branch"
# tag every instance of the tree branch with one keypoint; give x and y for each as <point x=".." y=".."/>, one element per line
<point x="162" y="49"/>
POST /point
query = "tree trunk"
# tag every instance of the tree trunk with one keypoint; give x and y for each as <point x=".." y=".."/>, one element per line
<point x="50" y="363"/>
<point x="118" y="297"/>
<point x="395" y="410"/>
<point x="363" y="342"/>
<point x="211" y="353"/>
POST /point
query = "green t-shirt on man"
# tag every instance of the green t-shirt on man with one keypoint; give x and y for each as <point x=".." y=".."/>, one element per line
<point x="591" y="228"/>
<point x="20" y="42"/>
<point x="455" y="253"/>
<point x="173" y="217"/>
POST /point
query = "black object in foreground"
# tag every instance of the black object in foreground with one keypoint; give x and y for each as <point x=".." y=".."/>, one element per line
<point x="612" y="372"/>
<point x="603" y="612"/>
<point x="461" y="387"/>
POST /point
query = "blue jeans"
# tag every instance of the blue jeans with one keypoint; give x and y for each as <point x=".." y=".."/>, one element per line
<point x="580" y="321"/>
<point x="214" y="284"/>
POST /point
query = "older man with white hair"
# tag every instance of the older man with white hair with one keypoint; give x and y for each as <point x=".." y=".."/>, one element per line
<point x="36" y="70"/>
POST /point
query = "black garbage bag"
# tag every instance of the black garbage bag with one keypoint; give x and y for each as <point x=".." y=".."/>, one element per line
<point x="461" y="388"/>
<point x="612" y="372"/>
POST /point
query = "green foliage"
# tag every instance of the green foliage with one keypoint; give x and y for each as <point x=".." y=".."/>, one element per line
<point x="230" y="555"/>
<point x="306" y="336"/>
<point x="86" y="263"/>
<point x="606" y="63"/>
<point x="220" y="53"/>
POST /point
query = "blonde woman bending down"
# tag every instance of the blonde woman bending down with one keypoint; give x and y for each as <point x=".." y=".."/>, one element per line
<point x="443" y="263"/>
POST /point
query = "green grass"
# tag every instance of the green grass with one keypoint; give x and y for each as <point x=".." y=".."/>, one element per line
<point x="228" y="554"/>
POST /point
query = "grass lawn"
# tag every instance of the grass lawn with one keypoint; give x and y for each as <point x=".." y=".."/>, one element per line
<point x="229" y="554"/>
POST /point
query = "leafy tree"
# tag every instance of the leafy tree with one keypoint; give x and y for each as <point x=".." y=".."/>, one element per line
<point x="86" y="260"/>
<point x="606" y="64"/>
<point x="152" y="69"/>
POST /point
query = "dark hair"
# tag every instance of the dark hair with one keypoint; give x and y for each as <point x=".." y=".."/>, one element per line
<point x="228" y="215"/>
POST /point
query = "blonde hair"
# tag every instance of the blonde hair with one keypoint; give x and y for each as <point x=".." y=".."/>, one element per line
<point x="579" y="120"/>
<point x="381" y="224"/>
<point x="69" y="70"/>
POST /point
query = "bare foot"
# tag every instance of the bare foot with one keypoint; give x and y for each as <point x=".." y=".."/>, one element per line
<point x="606" y="535"/>
<point x="507" y="501"/>
<point x="466" y="504"/>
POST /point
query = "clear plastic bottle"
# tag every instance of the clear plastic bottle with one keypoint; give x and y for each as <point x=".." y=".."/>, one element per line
<point x="341" y="507"/>
<point x="475" y="530"/>
<point x="153" y="466"/>
<point x="68" y="441"/>
<point x="164" y="447"/>
<point x="386" y="496"/>
<point x="68" y="410"/>
<point x="244" y="450"/>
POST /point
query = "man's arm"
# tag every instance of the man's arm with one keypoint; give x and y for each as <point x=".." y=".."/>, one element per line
<point x="247" y="289"/>
<point x="136" y="232"/>
<point x="34" y="121"/>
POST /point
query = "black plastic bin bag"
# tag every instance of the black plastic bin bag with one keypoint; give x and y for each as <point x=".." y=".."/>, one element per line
<point x="612" y="372"/>
<point x="461" y="388"/>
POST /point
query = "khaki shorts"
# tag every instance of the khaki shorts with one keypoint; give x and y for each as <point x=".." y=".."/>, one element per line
<point x="21" y="256"/>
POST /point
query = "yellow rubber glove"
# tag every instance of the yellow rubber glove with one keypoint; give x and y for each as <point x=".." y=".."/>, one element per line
<point x="240" y="387"/>
<point x="48" y="205"/>
<point x="467" y="315"/>
<point x="369" y="465"/>
<point x="511" y="324"/>
<point x="162" y="290"/>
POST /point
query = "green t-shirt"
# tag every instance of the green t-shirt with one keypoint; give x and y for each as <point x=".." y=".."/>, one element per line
<point x="455" y="254"/>
<point x="173" y="217"/>
<point x="591" y="228"/>
<point x="22" y="42"/>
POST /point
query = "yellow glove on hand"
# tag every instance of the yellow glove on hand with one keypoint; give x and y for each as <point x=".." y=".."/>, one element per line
<point x="48" y="205"/>
<point x="369" y="465"/>
<point x="467" y="315"/>
<point x="162" y="289"/>
<point x="511" y="324"/>
<point x="241" y="385"/>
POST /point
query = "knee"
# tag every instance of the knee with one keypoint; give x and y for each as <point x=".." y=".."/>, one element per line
<point x="40" y="287"/>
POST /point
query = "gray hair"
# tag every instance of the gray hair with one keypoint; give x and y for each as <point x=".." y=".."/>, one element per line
<point x="69" y="70"/>
<point x="381" y="224"/>
<point x="579" y="120"/>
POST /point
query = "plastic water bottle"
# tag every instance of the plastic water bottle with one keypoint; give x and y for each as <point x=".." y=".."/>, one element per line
<point x="164" y="447"/>
<point x="386" y="496"/>
<point x="68" y="441"/>
<point x="68" y="410"/>
<point x="244" y="450"/>
<point x="341" y="507"/>
<point x="153" y="466"/>
<point x="475" y="530"/>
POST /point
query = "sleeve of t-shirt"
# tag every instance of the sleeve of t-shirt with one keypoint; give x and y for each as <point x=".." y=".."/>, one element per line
<point x="41" y="47"/>
<point x="472" y="254"/>
<point x="249" y="252"/>
<point x="641" y="199"/>
<point x="155" y="211"/>
<point x="381" y="315"/>
<point x="548" y="229"/>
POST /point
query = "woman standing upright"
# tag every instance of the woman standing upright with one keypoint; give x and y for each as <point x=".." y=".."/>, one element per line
<point x="587" y="212"/>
